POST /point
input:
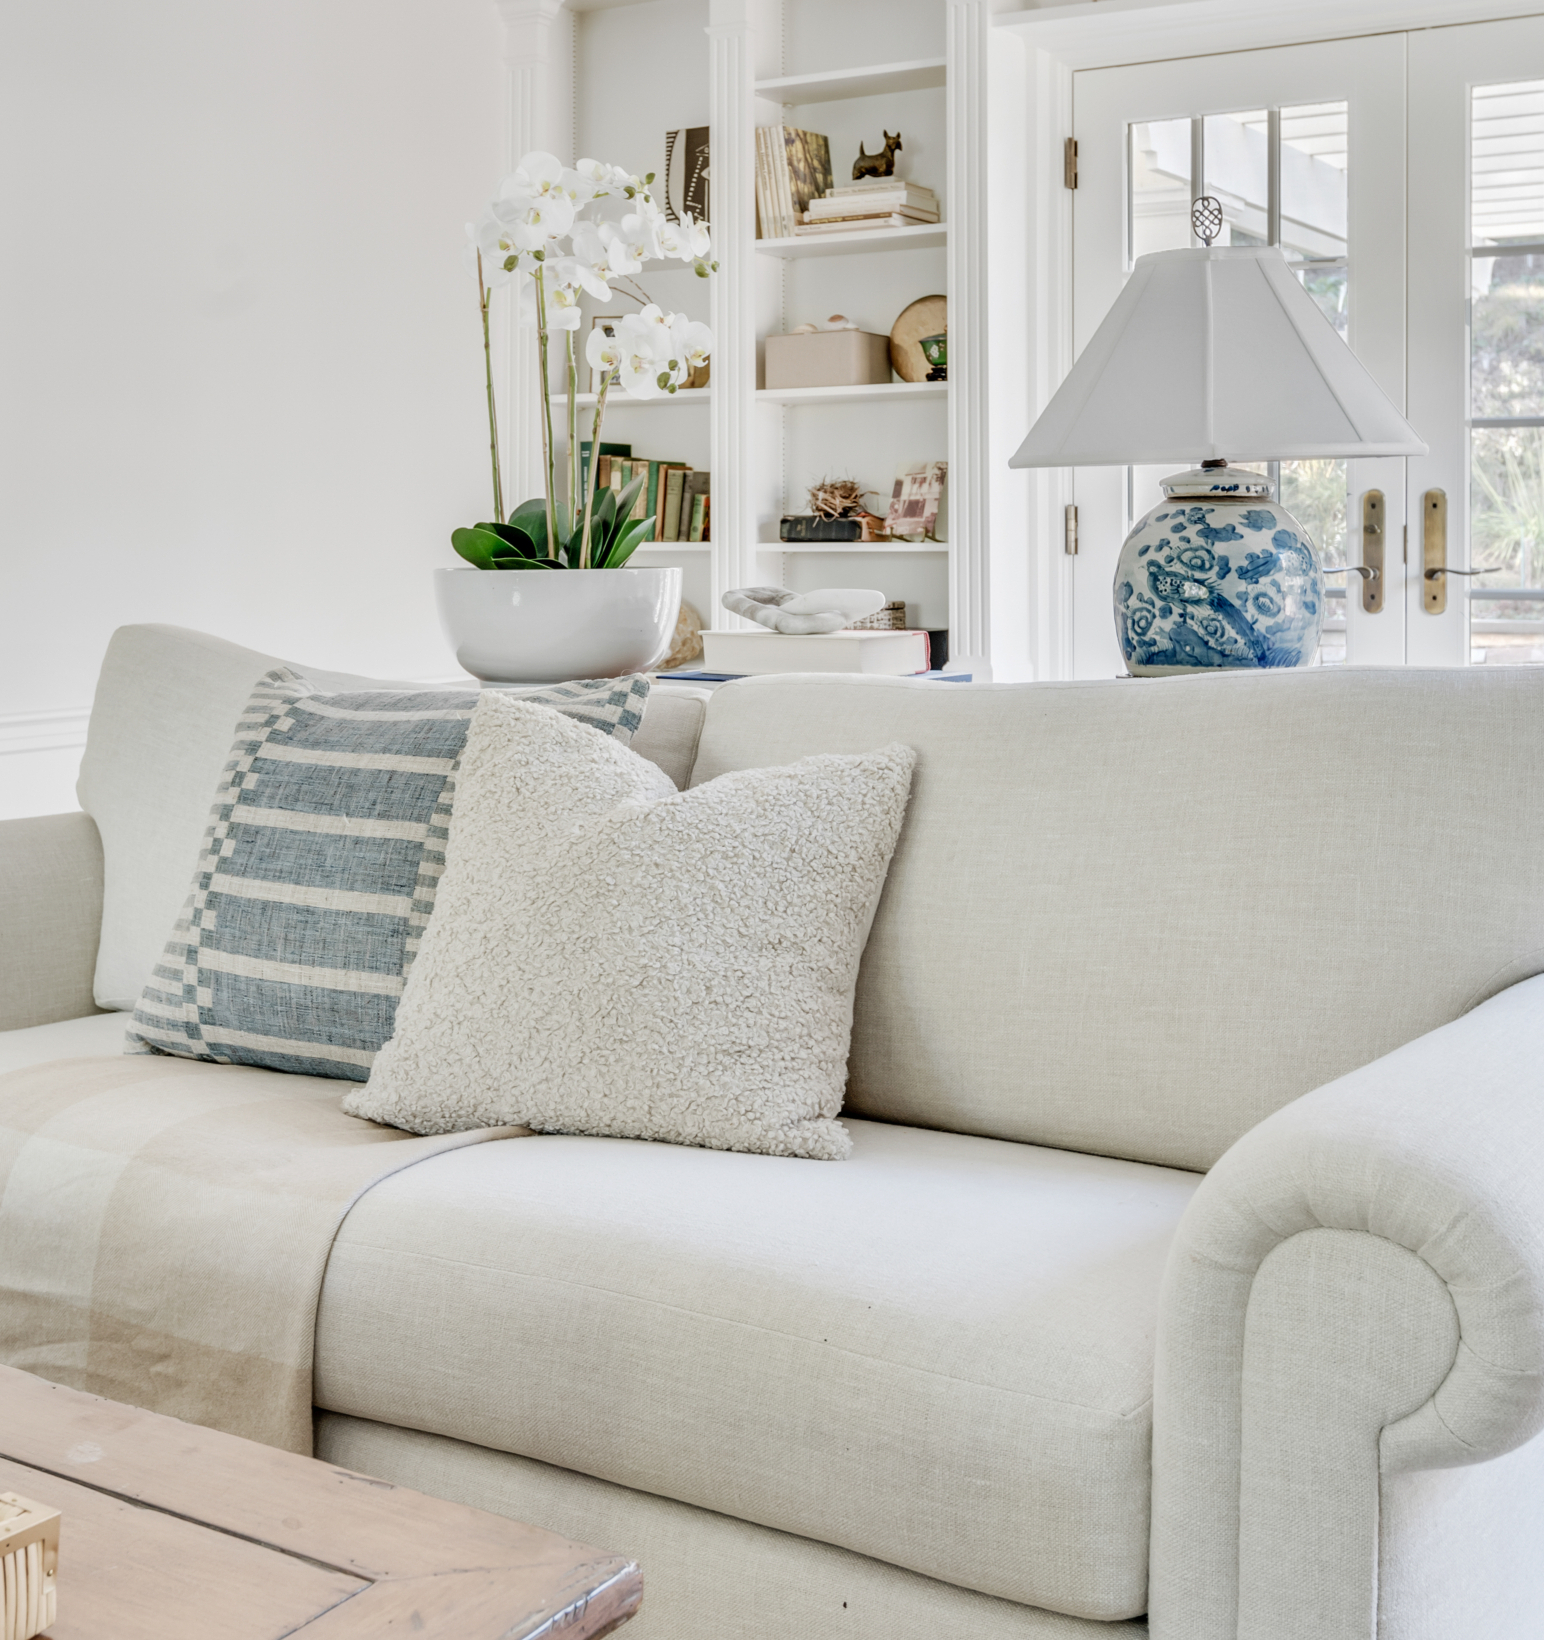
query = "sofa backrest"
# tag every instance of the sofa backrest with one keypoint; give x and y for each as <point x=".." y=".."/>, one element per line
<point x="1135" y="917"/>
<point x="161" y="730"/>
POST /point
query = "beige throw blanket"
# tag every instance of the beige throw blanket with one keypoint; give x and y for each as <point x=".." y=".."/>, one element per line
<point x="165" y="1226"/>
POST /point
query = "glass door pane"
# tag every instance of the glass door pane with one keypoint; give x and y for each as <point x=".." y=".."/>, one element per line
<point x="1506" y="372"/>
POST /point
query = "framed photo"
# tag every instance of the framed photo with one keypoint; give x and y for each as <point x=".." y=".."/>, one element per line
<point x="608" y="323"/>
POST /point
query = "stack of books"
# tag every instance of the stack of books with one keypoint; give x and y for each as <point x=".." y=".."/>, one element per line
<point x="793" y="169"/>
<point x="875" y="202"/>
<point x="674" y="496"/>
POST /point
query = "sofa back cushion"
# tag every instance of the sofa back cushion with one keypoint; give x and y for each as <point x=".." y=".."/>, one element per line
<point x="1135" y="917"/>
<point x="162" y="724"/>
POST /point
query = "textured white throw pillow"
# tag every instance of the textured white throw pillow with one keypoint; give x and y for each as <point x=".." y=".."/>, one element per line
<point x="611" y="956"/>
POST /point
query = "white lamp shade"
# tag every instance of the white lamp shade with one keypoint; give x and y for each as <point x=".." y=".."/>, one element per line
<point x="1216" y="353"/>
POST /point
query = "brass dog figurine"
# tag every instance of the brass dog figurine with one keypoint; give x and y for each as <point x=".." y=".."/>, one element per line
<point x="877" y="165"/>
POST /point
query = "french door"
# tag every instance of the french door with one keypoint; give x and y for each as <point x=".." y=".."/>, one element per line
<point x="1390" y="169"/>
<point x="1476" y="317"/>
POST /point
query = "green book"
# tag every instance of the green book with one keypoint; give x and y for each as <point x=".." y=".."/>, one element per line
<point x="699" y="514"/>
<point x="651" y="491"/>
<point x="675" y="483"/>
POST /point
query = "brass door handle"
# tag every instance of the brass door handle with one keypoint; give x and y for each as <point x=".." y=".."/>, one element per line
<point x="1371" y="567"/>
<point x="1354" y="569"/>
<point x="1442" y="569"/>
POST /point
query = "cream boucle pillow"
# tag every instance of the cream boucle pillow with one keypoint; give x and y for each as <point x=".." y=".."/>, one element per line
<point x="611" y="956"/>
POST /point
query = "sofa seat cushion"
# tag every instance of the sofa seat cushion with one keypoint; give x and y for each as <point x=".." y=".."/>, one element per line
<point x="88" y="1036"/>
<point x="939" y="1354"/>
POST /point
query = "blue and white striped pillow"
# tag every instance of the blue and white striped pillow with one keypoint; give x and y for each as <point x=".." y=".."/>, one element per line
<point x="318" y="872"/>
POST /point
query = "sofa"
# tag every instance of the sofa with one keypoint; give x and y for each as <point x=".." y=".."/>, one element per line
<point x="1187" y="1276"/>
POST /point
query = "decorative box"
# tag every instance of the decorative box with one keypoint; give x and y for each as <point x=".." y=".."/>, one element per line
<point x="828" y="358"/>
<point x="29" y="1565"/>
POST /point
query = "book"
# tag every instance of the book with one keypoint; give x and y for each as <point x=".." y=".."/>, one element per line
<point x="882" y="185"/>
<point x="661" y="487"/>
<point x="866" y="224"/>
<point x="686" y="174"/>
<point x="835" y="203"/>
<point x="758" y="653"/>
<point x="812" y="527"/>
<point x="671" y="525"/>
<point x="699" y="518"/>
<point x="652" y="500"/>
<point x="793" y="167"/>
<point x="603" y="472"/>
<point x="857" y="214"/>
<point x="694" y="486"/>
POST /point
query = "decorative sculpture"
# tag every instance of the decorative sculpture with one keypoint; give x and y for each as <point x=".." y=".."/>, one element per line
<point x="827" y="610"/>
<point x="877" y="165"/>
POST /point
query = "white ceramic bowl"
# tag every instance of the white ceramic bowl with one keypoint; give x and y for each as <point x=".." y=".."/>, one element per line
<point x="546" y="626"/>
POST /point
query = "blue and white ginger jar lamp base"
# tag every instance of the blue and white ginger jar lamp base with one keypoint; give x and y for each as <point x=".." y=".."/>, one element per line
<point x="1217" y="577"/>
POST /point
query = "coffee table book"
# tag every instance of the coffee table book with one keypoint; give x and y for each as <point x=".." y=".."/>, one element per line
<point x="757" y="653"/>
<point x="174" y="1532"/>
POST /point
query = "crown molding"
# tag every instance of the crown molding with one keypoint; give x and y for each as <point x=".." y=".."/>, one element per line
<point x="1108" y="33"/>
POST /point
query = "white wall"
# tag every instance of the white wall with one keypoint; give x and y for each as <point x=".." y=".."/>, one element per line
<point x="240" y="369"/>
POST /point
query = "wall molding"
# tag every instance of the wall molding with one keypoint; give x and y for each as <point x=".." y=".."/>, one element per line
<point x="61" y="730"/>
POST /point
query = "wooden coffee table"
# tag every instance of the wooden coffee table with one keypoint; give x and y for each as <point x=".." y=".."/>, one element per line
<point x="172" y="1532"/>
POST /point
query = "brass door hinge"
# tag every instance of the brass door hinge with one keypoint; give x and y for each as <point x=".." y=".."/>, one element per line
<point x="1070" y="531"/>
<point x="1070" y="162"/>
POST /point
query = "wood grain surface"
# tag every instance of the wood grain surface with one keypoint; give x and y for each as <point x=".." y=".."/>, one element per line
<point x="174" y="1531"/>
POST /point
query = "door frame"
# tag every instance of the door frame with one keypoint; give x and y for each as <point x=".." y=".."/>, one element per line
<point x="1058" y="41"/>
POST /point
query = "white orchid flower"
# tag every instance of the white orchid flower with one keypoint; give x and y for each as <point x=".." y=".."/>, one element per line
<point x="621" y="259"/>
<point x="697" y="237"/>
<point x="602" y="351"/>
<point x="560" y="279"/>
<point x="502" y="259"/>
<point x="541" y="173"/>
<point x="542" y="221"/>
<point x="640" y="234"/>
<point x="652" y="363"/>
<point x="690" y="341"/>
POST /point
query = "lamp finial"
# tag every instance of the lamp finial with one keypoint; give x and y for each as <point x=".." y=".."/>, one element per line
<point x="1206" y="219"/>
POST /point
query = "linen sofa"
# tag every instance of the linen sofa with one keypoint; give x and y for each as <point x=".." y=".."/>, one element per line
<point x="1189" y="1268"/>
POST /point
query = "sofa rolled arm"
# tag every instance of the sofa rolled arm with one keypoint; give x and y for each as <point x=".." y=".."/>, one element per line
<point x="50" y="918"/>
<point x="1356" y="1290"/>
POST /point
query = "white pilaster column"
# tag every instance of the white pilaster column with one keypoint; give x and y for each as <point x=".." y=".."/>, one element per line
<point x="967" y="101"/>
<point x="732" y="120"/>
<point x="538" y="60"/>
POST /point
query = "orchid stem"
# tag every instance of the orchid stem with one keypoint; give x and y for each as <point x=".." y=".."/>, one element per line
<point x="589" y="500"/>
<point x="546" y="411"/>
<point x="483" y="296"/>
<point x="573" y="442"/>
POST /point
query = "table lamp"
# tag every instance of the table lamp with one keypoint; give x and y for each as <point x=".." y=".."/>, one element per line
<point x="1208" y="356"/>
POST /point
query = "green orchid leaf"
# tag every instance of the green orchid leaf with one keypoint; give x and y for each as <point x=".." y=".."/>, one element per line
<point x="628" y="542"/>
<point x="516" y="539"/>
<point x="628" y="498"/>
<point x="479" y="546"/>
<point x="530" y="563"/>
<point x="531" y="518"/>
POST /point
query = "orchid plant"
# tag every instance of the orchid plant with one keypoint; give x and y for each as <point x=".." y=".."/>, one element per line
<point x="556" y="233"/>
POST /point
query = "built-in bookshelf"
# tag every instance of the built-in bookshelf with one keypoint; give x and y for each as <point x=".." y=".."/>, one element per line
<point x="616" y="78"/>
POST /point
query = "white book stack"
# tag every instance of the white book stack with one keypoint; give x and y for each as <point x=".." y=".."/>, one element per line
<point x="756" y="654"/>
<point x="879" y="202"/>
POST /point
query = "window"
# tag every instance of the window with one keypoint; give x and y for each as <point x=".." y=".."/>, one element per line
<point x="1506" y="372"/>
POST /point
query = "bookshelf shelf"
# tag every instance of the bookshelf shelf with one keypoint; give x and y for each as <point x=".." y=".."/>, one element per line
<point x="922" y="237"/>
<point x="675" y="546"/>
<point x="868" y="393"/>
<point x="831" y="84"/>
<point x="620" y="401"/>
<point x="820" y="547"/>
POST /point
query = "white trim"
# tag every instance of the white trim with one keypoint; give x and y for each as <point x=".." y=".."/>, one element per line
<point x="1108" y="33"/>
<point x="54" y="731"/>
